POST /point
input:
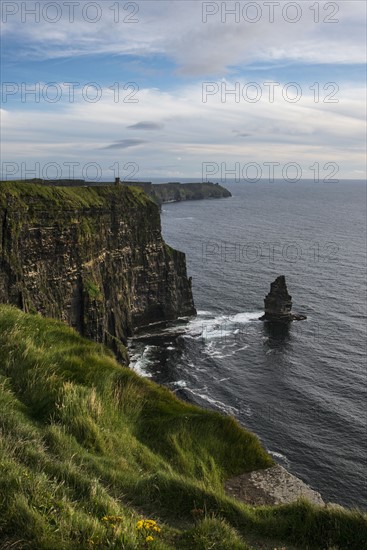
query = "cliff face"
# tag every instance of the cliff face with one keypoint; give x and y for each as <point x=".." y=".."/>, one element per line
<point x="93" y="257"/>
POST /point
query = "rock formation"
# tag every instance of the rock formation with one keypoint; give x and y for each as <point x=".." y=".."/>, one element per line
<point x="270" y="486"/>
<point x="92" y="257"/>
<point x="278" y="303"/>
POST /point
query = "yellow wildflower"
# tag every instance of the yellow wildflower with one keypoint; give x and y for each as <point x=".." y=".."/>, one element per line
<point x="149" y="539"/>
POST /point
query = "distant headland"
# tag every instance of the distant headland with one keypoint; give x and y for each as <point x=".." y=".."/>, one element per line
<point x="160" y="192"/>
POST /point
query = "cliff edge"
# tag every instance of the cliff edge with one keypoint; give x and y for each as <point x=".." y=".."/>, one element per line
<point x="159" y="192"/>
<point x="92" y="257"/>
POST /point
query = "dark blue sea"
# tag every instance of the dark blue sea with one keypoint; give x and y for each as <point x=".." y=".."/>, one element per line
<point x="301" y="389"/>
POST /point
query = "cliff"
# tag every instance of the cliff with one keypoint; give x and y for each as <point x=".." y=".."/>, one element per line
<point x="174" y="192"/>
<point x="159" y="192"/>
<point x="92" y="257"/>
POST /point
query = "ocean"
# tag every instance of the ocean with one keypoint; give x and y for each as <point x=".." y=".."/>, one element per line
<point x="302" y="389"/>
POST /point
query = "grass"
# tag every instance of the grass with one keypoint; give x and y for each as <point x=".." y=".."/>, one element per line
<point x="68" y="197"/>
<point x="88" y="448"/>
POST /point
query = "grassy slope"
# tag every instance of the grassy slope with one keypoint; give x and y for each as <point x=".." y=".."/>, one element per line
<point x="82" y="438"/>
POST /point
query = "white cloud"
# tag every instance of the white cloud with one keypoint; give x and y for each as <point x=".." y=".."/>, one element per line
<point x="183" y="126"/>
<point x="176" y="29"/>
<point x="303" y="132"/>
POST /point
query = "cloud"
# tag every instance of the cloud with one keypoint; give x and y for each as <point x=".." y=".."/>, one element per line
<point x="125" y="144"/>
<point x="178" y="31"/>
<point x="146" y="126"/>
<point x="175" y="49"/>
<point x="305" y="132"/>
<point x="241" y="134"/>
<point x="165" y="167"/>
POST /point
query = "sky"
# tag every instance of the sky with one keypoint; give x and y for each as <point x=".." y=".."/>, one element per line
<point x="175" y="89"/>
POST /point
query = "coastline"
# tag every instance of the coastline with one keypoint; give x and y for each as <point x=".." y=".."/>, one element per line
<point x="274" y="485"/>
<point x="270" y="486"/>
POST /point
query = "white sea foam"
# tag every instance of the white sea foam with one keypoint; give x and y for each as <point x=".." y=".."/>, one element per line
<point x="246" y="317"/>
<point x="180" y="384"/>
<point x="140" y="362"/>
<point x="222" y="323"/>
<point x="279" y="457"/>
<point x="140" y="368"/>
<point x="243" y="347"/>
<point x="223" y="335"/>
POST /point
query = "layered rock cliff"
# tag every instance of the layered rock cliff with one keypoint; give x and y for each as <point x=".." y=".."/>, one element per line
<point x="92" y="257"/>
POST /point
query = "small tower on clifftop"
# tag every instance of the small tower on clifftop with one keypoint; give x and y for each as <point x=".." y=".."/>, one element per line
<point x="117" y="181"/>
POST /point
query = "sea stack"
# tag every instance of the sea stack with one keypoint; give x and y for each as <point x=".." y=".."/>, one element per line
<point x="278" y="303"/>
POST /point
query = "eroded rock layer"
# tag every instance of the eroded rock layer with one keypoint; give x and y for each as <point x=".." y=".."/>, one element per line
<point x="94" y="258"/>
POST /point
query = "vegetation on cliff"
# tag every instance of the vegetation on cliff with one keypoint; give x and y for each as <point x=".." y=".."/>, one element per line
<point x="89" y="451"/>
<point x="91" y="256"/>
<point x="66" y="198"/>
<point x="159" y="192"/>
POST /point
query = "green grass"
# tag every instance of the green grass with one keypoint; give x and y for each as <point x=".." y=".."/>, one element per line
<point x="32" y="197"/>
<point x="83" y="438"/>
